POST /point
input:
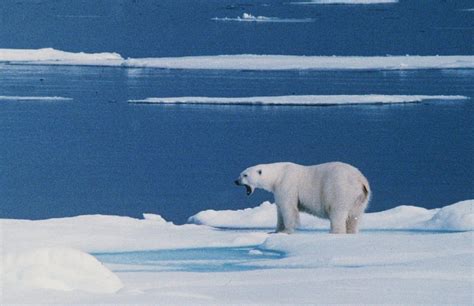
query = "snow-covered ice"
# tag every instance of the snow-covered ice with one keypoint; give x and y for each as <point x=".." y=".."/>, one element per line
<point x="299" y="100"/>
<point x="406" y="255"/>
<point x="33" y="98"/>
<point x="246" y="17"/>
<point x="50" y="56"/>
<point x="455" y="217"/>
<point x="60" y="269"/>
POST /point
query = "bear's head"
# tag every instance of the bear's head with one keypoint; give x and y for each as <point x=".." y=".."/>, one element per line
<point x="259" y="176"/>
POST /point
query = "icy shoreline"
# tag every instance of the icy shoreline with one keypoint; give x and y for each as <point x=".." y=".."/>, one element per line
<point x="49" y="56"/>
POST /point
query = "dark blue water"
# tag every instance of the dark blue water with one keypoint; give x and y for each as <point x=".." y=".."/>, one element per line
<point x="143" y="28"/>
<point x="191" y="260"/>
<point x="99" y="154"/>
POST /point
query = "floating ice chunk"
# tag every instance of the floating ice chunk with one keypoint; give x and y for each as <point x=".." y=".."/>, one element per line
<point x="246" y="17"/>
<point x="53" y="56"/>
<point x="294" y="62"/>
<point x="255" y="252"/>
<point x="33" y="98"/>
<point x="299" y="100"/>
<point x="59" y="269"/>
<point x="239" y="62"/>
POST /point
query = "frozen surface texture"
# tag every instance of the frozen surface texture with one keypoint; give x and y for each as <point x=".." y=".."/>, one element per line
<point x="156" y="262"/>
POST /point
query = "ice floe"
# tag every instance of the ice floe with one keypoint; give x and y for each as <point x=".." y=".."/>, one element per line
<point x="238" y="62"/>
<point x="299" y="100"/>
<point x="33" y="98"/>
<point x="246" y="17"/>
<point x="53" y="56"/>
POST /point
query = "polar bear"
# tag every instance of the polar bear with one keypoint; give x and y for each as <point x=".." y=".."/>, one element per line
<point x="336" y="191"/>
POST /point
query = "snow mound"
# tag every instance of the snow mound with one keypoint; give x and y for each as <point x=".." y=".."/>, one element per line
<point x="59" y="269"/>
<point x="260" y="216"/>
<point x="238" y="62"/>
<point x="155" y="218"/>
<point x="455" y="217"/>
<point x="298" y="100"/>
<point x="246" y="17"/>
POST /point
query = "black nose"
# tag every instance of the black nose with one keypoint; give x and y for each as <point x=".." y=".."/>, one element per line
<point x="236" y="182"/>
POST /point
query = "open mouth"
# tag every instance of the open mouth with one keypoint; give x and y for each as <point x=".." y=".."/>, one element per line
<point x="249" y="189"/>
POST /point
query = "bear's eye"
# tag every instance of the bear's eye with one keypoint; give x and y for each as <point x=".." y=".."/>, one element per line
<point x="260" y="172"/>
<point x="245" y="175"/>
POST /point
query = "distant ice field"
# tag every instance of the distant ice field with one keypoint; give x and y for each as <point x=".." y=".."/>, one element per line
<point x="51" y="56"/>
<point x="246" y="17"/>
<point x="33" y="98"/>
<point x="299" y="100"/>
<point x="170" y="28"/>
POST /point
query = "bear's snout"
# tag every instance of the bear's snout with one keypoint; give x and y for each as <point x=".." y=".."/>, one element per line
<point x="237" y="182"/>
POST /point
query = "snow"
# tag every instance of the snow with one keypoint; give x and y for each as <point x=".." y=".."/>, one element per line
<point x="298" y="100"/>
<point x="53" y="56"/>
<point x="346" y="2"/>
<point x="33" y="98"/>
<point x="455" y="217"/>
<point x="290" y="62"/>
<point x="50" y="56"/>
<point x="60" y="269"/>
<point x="390" y="261"/>
<point x="246" y="17"/>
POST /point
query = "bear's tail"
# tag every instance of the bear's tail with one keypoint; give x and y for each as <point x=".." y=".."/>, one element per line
<point x="364" y="198"/>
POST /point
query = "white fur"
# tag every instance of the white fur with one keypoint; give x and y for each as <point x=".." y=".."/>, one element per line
<point x="335" y="191"/>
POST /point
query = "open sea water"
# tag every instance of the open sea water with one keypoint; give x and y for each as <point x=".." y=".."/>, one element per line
<point x="98" y="154"/>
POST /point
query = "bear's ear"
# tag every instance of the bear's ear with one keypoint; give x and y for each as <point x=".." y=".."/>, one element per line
<point x="260" y="172"/>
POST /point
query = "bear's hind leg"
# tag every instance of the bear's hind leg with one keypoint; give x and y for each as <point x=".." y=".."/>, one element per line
<point x="338" y="223"/>
<point x="352" y="223"/>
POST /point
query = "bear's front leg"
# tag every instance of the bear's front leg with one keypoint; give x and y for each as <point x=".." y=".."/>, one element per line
<point x="288" y="214"/>
<point x="280" y="225"/>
